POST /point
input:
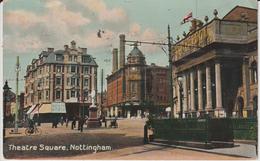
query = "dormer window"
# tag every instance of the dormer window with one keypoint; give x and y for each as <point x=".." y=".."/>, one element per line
<point x="86" y="59"/>
<point x="59" y="57"/>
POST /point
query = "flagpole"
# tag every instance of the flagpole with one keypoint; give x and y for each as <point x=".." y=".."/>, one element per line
<point x="196" y="9"/>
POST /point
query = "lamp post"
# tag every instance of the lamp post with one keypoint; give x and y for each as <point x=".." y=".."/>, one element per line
<point x="6" y="89"/>
<point x="180" y="83"/>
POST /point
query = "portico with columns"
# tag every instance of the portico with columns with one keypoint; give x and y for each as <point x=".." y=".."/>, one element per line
<point x="214" y="68"/>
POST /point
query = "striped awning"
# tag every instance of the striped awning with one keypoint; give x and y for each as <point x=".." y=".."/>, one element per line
<point x="31" y="109"/>
<point x="45" y="108"/>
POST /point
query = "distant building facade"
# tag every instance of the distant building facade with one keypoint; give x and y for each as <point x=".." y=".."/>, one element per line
<point x="134" y="87"/>
<point x="61" y="79"/>
<point x="218" y="64"/>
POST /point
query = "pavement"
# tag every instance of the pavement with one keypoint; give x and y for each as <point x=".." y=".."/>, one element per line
<point x="126" y="143"/>
<point x="239" y="150"/>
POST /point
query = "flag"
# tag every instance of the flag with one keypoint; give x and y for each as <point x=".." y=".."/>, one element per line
<point x="187" y="18"/>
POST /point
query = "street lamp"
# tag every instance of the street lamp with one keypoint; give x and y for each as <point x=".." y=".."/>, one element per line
<point x="180" y="83"/>
<point x="6" y="89"/>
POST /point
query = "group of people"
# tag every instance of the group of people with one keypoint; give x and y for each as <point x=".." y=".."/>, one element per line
<point x="61" y="120"/>
<point x="81" y="122"/>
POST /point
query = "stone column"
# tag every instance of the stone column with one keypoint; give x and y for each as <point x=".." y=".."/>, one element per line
<point x="179" y="100"/>
<point x="192" y="93"/>
<point x="208" y="89"/>
<point x="246" y="86"/>
<point x="185" y="96"/>
<point x="219" y="107"/>
<point x="200" y="97"/>
<point x="112" y="111"/>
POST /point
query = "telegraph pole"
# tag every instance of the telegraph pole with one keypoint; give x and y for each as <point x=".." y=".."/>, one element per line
<point x="170" y="68"/>
<point x="101" y="94"/>
<point x="17" y="100"/>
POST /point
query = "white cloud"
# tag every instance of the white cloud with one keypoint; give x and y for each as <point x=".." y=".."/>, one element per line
<point x="104" y="14"/>
<point x="135" y="29"/>
<point x="53" y="26"/>
<point x="23" y="44"/>
<point x="21" y="18"/>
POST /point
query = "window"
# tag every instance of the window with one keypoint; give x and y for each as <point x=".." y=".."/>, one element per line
<point x="85" y="81"/>
<point x="73" y="81"/>
<point x="73" y="69"/>
<point x="75" y="58"/>
<point x="59" y="57"/>
<point x="86" y="70"/>
<point x="85" y="95"/>
<point x="86" y="59"/>
<point x="47" y="68"/>
<point x="254" y="72"/>
<point x="68" y="69"/>
<point x="77" y="81"/>
<point x="70" y="58"/>
<point x="39" y="95"/>
<point x="68" y="94"/>
<point x="73" y="94"/>
<point x="68" y="81"/>
<point x="59" y="68"/>
<point x="133" y="86"/>
<point x="47" y="81"/>
<point x="57" y="94"/>
<point x="58" y="81"/>
<point x="47" y="94"/>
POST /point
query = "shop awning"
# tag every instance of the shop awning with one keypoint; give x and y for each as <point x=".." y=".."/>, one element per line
<point x="45" y="108"/>
<point x="58" y="107"/>
<point x="55" y="107"/>
<point x="31" y="109"/>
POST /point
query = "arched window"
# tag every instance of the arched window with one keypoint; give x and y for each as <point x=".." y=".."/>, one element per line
<point x="253" y="72"/>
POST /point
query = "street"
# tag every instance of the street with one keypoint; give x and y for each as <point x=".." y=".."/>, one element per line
<point x="126" y="142"/>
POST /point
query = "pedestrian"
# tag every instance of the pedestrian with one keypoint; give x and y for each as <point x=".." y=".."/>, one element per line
<point x="53" y="122"/>
<point x="67" y="121"/>
<point x="81" y="123"/>
<point x="104" y="120"/>
<point x="61" y="120"/>
<point x="73" y="124"/>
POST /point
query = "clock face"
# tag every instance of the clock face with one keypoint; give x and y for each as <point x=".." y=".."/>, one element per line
<point x="133" y="68"/>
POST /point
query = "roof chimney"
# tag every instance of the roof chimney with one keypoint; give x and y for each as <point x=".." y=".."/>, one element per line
<point x="115" y="60"/>
<point x="84" y="50"/>
<point x="50" y="50"/>
<point x="122" y="50"/>
<point x="73" y="44"/>
<point x="66" y="47"/>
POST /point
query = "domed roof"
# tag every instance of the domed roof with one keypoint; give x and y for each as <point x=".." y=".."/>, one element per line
<point x="136" y="52"/>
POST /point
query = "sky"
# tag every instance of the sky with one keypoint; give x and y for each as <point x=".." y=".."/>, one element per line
<point x="31" y="26"/>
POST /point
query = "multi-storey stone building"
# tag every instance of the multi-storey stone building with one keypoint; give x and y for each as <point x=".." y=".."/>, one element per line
<point x="135" y="87"/>
<point x="59" y="80"/>
<point x="218" y="65"/>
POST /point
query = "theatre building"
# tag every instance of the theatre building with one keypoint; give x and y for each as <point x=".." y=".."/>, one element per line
<point x="215" y="67"/>
<point x="135" y="88"/>
<point x="60" y="82"/>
